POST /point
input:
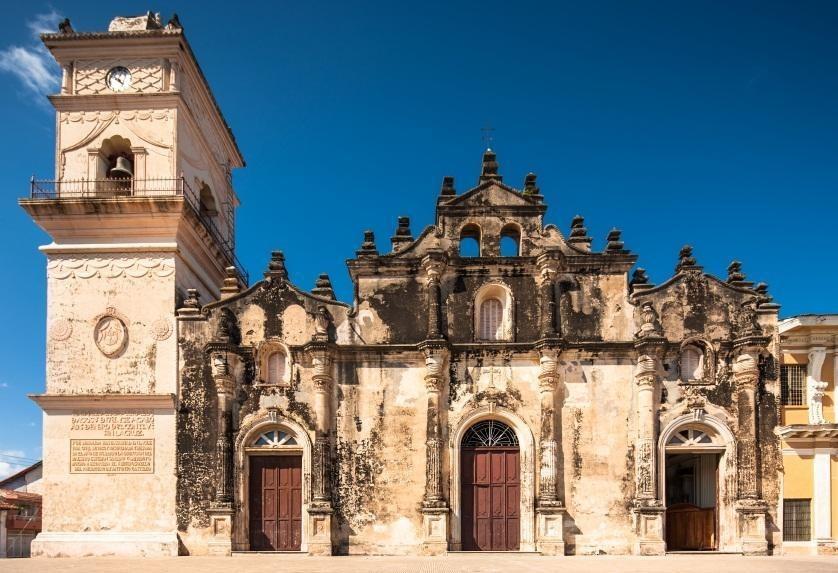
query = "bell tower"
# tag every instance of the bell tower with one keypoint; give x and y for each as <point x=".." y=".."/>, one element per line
<point x="140" y="209"/>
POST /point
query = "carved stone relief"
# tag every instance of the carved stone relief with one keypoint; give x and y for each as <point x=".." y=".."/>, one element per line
<point x="110" y="333"/>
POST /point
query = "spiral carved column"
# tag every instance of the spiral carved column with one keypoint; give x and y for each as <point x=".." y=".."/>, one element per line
<point x="750" y="507"/>
<point x="648" y="508"/>
<point x="320" y="509"/>
<point x="434" y="504"/>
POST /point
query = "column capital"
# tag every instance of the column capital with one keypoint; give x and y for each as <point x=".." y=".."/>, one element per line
<point x="548" y="368"/>
<point x="434" y="263"/>
<point x="548" y="264"/>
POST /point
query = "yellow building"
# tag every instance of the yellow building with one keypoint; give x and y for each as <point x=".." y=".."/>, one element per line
<point x="809" y="433"/>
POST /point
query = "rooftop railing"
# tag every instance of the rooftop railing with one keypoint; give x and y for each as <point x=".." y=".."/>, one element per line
<point x="122" y="188"/>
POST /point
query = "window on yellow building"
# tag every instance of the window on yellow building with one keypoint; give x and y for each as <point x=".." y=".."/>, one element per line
<point x="797" y="522"/>
<point x="793" y="384"/>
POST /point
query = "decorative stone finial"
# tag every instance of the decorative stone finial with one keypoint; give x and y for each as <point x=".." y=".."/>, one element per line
<point x="640" y="280"/>
<point x="530" y="187"/>
<point x="734" y="272"/>
<point x="65" y="27"/>
<point x="231" y="282"/>
<point x="323" y="287"/>
<point x="447" y="188"/>
<point x="579" y="233"/>
<point x="403" y="236"/>
<point x="174" y="23"/>
<point x="649" y="324"/>
<point x="685" y="258"/>
<point x="192" y="298"/>
<point x="148" y="21"/>
<point x="322" y="322"/>
<point x="190" y="308"/>
<point x="748" y="322"/>
<point x="368" y="248"/>
<point x="614" y="244"/>
<point x="490" y="167"/>
<point x="276" y="267"/>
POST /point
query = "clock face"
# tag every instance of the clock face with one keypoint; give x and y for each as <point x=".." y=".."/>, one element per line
<point x="119" y="79"/>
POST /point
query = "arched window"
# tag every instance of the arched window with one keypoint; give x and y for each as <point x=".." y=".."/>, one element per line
<point x="510" y="241"/>
<point x="493" y="313"/>
<point x="115" y="171"/>
<point x="275" y="367"/>
<point x="490" y="433"/>
<point x="207" y="200"/>
<point x="692" y="363"/>
<point x="274" y="439"/>
<point x="470" y="241"/>
<point x="491" y="319"/>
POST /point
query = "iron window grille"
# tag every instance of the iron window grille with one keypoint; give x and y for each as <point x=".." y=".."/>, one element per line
<point x="797" y="520"/>
<point x="793" y="384"/>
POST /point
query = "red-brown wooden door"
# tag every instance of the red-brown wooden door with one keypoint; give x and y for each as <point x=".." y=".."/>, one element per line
<point x="491" y="499"/>
<point x="276" y="503"/>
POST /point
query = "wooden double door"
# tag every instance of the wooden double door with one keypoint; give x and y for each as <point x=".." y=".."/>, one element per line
<point x="491" y="498"/>
<point x="276" y="503"/>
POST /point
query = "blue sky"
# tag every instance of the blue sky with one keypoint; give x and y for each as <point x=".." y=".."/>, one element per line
<point x="710" y="123"/>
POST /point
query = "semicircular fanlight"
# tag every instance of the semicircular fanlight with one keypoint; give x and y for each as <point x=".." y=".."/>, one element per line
<point x="274" y="438"/>
<point x="489" y="433"/>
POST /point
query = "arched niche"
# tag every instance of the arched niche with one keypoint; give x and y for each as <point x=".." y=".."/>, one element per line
<point x="494" y="313"/>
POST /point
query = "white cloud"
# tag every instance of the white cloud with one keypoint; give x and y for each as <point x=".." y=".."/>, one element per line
<point x="4" y="384"/>
<point x="33" y="65"/>
<point x="10" y="465"/>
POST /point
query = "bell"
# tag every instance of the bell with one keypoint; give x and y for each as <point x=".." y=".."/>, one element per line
<point x="122" y="169"/>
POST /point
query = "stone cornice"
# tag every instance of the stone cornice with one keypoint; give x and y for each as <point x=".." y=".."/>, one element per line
<point x="53" y="402"/>
<point x="809" y="432"/>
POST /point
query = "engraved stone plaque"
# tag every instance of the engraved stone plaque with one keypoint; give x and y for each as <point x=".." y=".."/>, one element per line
<point x="112" y="442"/>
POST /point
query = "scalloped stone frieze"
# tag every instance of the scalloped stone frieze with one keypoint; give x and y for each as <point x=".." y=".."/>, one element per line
<point x="109" y="268"/>
<point x="146" y="75"/>
<point x="105" y="116"/>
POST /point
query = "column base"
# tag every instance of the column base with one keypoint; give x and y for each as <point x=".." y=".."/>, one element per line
<point x="550" y="528"/>
<point x="221" y="525"/>
<point x="320" y="526"/>
<point x="751" y="526"/>
<point x="434" y="530"/>
<point x="648" y="526"/>
<point x="111" y="543"/>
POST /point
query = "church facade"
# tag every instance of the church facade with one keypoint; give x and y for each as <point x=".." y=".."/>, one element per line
<point x="497" y="384"/>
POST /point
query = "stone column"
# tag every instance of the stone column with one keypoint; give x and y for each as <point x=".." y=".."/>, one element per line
<point x="320" y="509"/>
<point x="221" y="509"/>
<point x="648" y="508"/>
<point x="750" y="508"/>
<point x="434" y="504"/>
<point x="548" y="266"/>
<point x="434" y="264"/>
<point x="822" y="499"/>
<point x="550" y="509"/>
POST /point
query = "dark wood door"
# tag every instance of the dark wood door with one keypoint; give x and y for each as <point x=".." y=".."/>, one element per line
<point x="690" y="528"/>
<point x="276" y="503"/>
<point x="491" y="499"/>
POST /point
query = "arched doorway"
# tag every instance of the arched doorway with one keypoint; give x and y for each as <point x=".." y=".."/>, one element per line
<point x="490" y="486"/>
<point x="275" y="491"/>
<point x="692" y="453"/>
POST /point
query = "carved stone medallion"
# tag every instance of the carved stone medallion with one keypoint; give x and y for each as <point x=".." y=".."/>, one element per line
<point x="161" y="328"/>
<point x="110" y="333"/>
<point x="61" y="329"/>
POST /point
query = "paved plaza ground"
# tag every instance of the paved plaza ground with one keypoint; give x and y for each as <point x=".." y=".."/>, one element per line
<point x="496" y="563"/>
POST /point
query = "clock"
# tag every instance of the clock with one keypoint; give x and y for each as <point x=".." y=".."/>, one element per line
<point x="119" y="78"/>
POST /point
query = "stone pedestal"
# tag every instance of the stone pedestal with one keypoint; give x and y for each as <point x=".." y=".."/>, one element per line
<point x="320" y="526"/>
<point x="435" y="530"/>
<point x="751" y="524"/>
<point x="648" y="522"/>
<point x="550" y="529"/>
<point x="221" y="525"/>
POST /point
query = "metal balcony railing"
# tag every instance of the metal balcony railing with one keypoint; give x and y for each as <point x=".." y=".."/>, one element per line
<point x="120" y="188"/>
